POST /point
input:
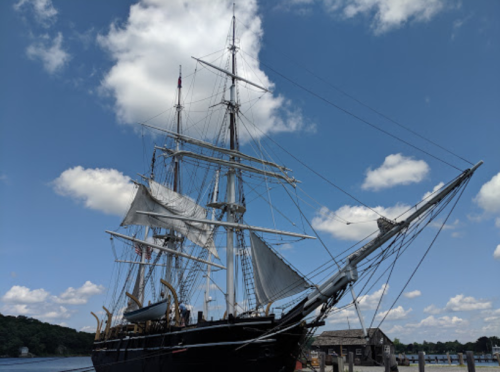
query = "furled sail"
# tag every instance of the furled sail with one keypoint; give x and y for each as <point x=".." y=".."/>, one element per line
<point x="273" y="278"/>
<point x="161" y="199"/>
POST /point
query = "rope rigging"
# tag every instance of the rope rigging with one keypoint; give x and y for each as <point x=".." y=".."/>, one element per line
<point x="197" y="182"/>
<point x="288" y="58"/>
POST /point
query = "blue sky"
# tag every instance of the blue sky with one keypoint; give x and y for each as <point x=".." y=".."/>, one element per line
<point x="77" y="77"/>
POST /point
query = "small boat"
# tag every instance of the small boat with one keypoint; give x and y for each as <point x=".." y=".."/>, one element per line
<point x="152" y="312"/>
<point x="495" y="350"/>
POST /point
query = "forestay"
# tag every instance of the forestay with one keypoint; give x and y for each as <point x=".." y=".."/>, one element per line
<point x="273" y="278"/>
<point x="161" y="199"/>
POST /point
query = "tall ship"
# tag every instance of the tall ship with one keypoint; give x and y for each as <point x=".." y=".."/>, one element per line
<point x="200" y="284"/>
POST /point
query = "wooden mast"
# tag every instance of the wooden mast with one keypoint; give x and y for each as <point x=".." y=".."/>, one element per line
<point x="231" y="187"/>
<point x="176" y="182"/>
<point x="178" y="108"/>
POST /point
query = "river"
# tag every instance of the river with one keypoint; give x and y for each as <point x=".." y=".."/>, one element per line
<point x="75" y="364"/>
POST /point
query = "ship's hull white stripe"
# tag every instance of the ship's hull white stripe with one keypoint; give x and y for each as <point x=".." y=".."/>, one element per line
<point x="193" y="346"/>
<point x="189" y="330"/>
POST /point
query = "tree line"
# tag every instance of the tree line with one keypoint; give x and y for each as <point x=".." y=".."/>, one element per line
<point x="42" y="339"/>
<point x="482" y="345"/>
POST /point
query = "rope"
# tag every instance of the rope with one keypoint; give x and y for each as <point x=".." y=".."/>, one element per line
<point x="358" y="117"/>
<point x="427" y="251"/>
<point x="314" y="171"/>
<point x="289" y="58"/>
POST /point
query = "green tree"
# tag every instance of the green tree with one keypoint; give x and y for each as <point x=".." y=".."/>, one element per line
<point x="42" y="339"/>
<point x="482" y="345"/>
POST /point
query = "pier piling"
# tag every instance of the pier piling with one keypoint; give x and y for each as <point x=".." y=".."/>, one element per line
<point x="387" y="362"/>
<point x="322" y="360"/>
<point x="421" y="361"/>
<point x="471" y="363"/>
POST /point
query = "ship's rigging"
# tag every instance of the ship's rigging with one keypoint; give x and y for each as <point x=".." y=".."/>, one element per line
<point x="188" y="225"/>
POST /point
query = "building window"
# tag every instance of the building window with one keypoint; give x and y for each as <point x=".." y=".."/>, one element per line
<point x="387" y="348"/>
<point x="358" y="352"/>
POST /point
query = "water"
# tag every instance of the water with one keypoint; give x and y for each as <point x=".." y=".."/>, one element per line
<point x="76" y="364"/>
<point x="494" y="363"/>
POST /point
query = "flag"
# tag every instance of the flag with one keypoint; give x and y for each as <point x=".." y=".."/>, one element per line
<point x="179" y="83"/>
<point x="147" y="251"/>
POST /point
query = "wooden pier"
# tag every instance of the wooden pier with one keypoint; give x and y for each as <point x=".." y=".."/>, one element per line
<point x="467" y="360"/>
<point x="453" y="359"/>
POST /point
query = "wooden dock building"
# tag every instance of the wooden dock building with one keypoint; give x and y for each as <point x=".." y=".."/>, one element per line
<point x="366" y="352"/>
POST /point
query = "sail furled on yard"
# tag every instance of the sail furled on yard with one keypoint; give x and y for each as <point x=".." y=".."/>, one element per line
<point x="161" y="199"/>
<point x="273" y="278"/>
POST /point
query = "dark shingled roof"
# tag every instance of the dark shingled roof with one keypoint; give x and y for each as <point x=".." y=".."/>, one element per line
<point x="344" y="337"/>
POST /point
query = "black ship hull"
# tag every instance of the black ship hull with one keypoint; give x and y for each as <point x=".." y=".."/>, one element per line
<point x="252" y="344"/>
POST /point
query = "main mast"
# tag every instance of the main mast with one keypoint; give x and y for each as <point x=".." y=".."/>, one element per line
<point x="176" y="182"/>
<point x="178" y="107"/>
<point x="231" y="187"/>
<point x="233" y="165"/>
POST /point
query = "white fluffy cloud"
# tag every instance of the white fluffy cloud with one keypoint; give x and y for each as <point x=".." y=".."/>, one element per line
<point x="396" y="170"/>
<point x="44" y="48"/>
<point x="106" y="190"/>
<point x="44" y="10"/>
<point x="366" y="303"/>
<point x="462" y="303"/>
<point x="488" y="197"/>
<point x="337" y="316"/>
<point x="50" y="52"/>
<point x="397" y="313"/>
<point x="59" y="312"/>
<point x="412" y="294"/>
<point x="362" y="221"/>
<point x="443" y="322"/>
<point x="496" y="254"/>
<point x="436" y="188"/>
<point x="387" y="14"/>
<point x="23" y="295"/>
<point x="370" y="301"/>
<point x="89" y="329"/>
<point x="161" y="35"/>
<point x="432" y="309"/>
<point x="38" y="303"/>
<point x="80" y="296"/>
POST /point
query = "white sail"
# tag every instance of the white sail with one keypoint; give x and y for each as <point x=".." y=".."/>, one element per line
<point x="178" y="204"/>
<point x="273" y="278"/>
<point x="166" y="201"/>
